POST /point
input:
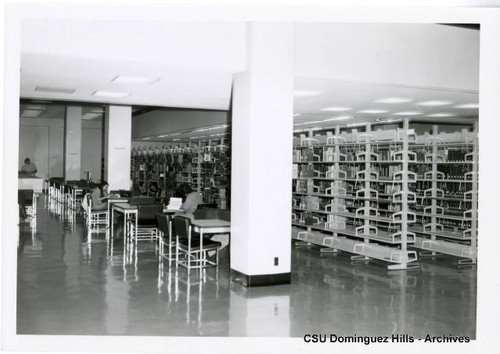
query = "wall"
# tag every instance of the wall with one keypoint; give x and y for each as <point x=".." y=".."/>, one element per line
<point x="425" y="55"/>
<point x="42" y="140"/>
<point x="163" y="121"/>
<point x="47" y="150"/>
<point x="92" y="148"/>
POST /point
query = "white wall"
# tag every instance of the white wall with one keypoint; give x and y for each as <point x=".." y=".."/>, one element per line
<point x="411" y="54"/>
<point x="50" y="162"/>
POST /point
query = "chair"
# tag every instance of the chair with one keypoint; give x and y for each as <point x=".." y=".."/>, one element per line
<point x="27" y="200"/>
<point x="147" y="227"/>
<point x="94" y="217"/>
<point x="165" y="238"/>
<point x="188" y="246"/>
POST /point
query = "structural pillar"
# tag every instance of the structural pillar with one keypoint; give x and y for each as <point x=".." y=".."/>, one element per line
<point x="73" y="143"/>
<point x="262" y="129"/>
<point x="117" y="146"/>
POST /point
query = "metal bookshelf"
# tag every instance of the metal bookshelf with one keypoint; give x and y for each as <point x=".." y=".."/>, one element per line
<point x="344" y="200"/>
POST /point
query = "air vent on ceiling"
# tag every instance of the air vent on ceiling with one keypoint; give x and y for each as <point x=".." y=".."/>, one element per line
<point x="48" y="89"/>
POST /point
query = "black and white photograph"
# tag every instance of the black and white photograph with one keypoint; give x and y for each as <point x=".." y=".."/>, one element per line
<point x="247" y="178"/>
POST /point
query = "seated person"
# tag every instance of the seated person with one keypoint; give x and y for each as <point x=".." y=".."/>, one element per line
<point x="28" y="168"/>
<point x="191" y="199"/>
<point x="100" y="196"/>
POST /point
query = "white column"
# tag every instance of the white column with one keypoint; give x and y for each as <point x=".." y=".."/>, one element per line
<point x="117" y="146"/>
<point x="262" y="128"/>
<point x="73" y="143"/>
<point x="488" y="325"/>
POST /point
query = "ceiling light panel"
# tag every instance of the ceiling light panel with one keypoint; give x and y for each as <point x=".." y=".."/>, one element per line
<point x="337" y="118"/>
<point x="394" y="100"/>
<point x="336" y="109"/>
<point x="373" y="111"/>
<point x="467" y="106"/>
<point x="89" y="116"/>
<point x="61" y="90"/>
<point x="434" y="103"/>
<point x="135" y="80"/>
<point x="110" y="94"/>
<point x="409" y="113"/>
<point x="439" y="115"/>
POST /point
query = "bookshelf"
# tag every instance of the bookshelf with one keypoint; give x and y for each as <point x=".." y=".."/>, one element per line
<point x="351" y="193"/>
<point x="386" y="194"/>
<point x="447" y="194"/>
<point x="205" y="165"/>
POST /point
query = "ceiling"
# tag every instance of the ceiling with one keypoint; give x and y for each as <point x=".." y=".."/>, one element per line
<point x="432" y="69"/>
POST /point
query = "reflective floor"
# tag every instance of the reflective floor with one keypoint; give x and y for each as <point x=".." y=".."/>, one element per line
<point x="68" y="284"/>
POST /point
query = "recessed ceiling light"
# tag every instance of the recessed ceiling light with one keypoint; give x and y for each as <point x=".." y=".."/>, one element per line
<point x="467" y="106"/>
<point x="373" y="111"/>
<point x="408" y="113"/>
<point x="438" y="115"/>
<point x="48" y="89"/>
<point x="89" y="116"/>
<point x="337" y="118"/>
<point x="27" y="113"/>
<point x="296" y="114"/>
<point x="176" y="139"/>
<point x="147" y="138"/>
<point x="37" y="108"/>
<point x="434" y="103"/>
<point x="336" y="109"/>
<point x="306" y="93"/>
<point x="135" y="79"/>
<point x="112" y="94"/>
<point x="392" y="100"/>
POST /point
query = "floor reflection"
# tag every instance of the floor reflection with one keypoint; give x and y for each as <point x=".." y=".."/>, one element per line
<point x="72" y="282"/>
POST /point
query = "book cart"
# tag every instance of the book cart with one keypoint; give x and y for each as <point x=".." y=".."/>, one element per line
<point x="205" y="165"/>
<point x="367" y="193"/>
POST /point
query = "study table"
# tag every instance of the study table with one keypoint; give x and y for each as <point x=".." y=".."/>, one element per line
<point x="210" y="226"/>
<point x="129" y="211"/>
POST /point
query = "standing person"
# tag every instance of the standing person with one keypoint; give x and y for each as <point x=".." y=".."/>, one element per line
<point x="29" y="168"/>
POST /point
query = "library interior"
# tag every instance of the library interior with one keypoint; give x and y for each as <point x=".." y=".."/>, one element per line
<point x="247" y="179"/>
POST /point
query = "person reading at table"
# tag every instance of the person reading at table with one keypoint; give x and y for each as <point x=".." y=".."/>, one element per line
<point x="100" y="196"/>
<point x="191" y="199"/>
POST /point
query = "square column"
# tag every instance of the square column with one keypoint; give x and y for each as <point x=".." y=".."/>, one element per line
<point x="73" y="143"/>
<point x="262" y="129"/>
<point x="117" y="146"/>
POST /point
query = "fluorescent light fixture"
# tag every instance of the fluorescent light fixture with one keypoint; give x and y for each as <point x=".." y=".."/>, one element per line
<point x="306" y="93"/>
<point x="36" y="107"/>
<point x="336" y="109"/>
<point x="89" y="116"/>
<point x="111" y="94"/>
<point x="434" y="103"/>
<point x="146" y="138"/>
<point x="97" y="110"/>
<point x="373" y="111"/>
<point x="467" y="106"/>
<point x="409" y="113"/>
<point x="355" y="125"/>
<point x="135" y="79"/>
<point x="337" y="118"/>
<point x="296" y="114"/>
<point x="162" y="136"/>
<point x="393" y="100"/>
<point x="437" y="115"/>
<point x="62" y="90"/>
<point x="311" y="122"/>
<point x="176" y="139"/>
<point x="27" y="113"/>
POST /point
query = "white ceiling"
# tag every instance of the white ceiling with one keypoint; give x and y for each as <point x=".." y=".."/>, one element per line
<point x="348" y="65"/>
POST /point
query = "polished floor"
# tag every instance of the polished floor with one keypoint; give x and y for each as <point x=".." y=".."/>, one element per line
<point x="67" y="285"/>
